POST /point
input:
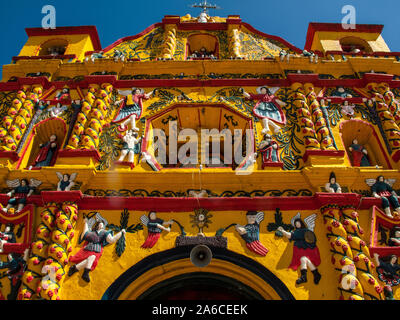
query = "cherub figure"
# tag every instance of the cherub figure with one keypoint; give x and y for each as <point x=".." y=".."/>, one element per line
<point x="268" y="108"/>
<point x="56" y="111"/>
<point x="250" y="233"/>
<point x="21" y="191"/>
<point x="118" y="55"/>
<point x="155" y="227"/>
<point x="129" y="148"/>
<point x="332" y="186"/>
<point x="95" y="55"/>
<point x="96" y="237"/>
<point x="305" y="251"/>
<point x="381" y="188"/>
<point x="131" y="108"/>
<point x="348" y="110"/>
<point x="66" y="181"/>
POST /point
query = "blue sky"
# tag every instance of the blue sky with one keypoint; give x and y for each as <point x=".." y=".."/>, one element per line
<point x="116" y="19"/>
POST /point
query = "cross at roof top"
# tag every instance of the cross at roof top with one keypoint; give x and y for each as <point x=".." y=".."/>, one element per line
<point x="204" y="5"/>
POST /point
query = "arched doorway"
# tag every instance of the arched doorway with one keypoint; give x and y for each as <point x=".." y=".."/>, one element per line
<point x="170" y="274"/>
<point x="201" y="286"/>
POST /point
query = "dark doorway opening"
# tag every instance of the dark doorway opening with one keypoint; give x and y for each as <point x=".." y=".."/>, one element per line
<point x="200" y="287"/>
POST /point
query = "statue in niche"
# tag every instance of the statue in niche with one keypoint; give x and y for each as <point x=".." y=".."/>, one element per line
<point x="269" y="150"/>
<point x="250" y="233"/>
<point x="47" y="153"/>
<point x="394" y="237"/>
<point x="155" y="227"/>
<point x="130" y="146"/>
<point x="8" y="236"/>
<point x="131" y="108"/>
<point x="332" y="186"/>
<point x="359" y="155"/>
<point x="305" y="251"/>
<point x="381" y="188"/>
<point x="268" y="108"/>
<point x="21" y="191"/>
<point x="66" y="181"/>
<point x="96" y="237"/>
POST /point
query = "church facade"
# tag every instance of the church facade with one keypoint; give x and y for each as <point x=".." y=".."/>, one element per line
<point x="200" y="159"/>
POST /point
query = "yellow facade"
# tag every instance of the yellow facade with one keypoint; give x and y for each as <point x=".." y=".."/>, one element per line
<point x="206" y="93"/>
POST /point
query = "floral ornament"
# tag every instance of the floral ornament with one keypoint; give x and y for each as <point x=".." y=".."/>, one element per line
<point x="201" y="219"/>
<point x="121" y="244"/>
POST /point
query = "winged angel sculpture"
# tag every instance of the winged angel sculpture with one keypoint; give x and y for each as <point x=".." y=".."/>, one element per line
<point x="250" y="233"/>
<point x="381" y="188"/>
<point x="305" y="251"/>
<point x="66" y="181"/>
<point x="22" y="189"/>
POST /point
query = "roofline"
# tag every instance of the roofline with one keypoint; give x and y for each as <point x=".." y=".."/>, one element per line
<point x="337" y="27"/>
<point x="89" y="30"/>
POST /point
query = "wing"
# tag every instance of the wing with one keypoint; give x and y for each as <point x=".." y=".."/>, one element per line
<point x="13" y="183"/>
<point x="310" y="221"/>
<point x="390" y="182"/>
<point x="125" y="92"/>
<point x="35" y="183"/>
<point x="273" y="90"/>
<point x="99" y="217"/>
<point x="370" y="182"/>
<point x="60" y="175"/>
<point x="73" y="177"/>
<point x="259" y="217"/>
<point x="145" y="220"/>
<point x="297" y="216"/>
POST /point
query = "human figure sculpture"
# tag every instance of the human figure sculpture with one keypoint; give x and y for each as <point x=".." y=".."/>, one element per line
<point x="359" y="154"/>
<point x="332" y="186"/>
<point x="96" y="55"/>
<point x="250" y="233"/>
<point x="269" y="150"/>
<point x="394" y="237"/>
<point x="47" y="153"/>
<point x="118" y="55"/>
<point x="348" y="110"/>
<point x="387" y="269"/>
<point x="96" y="238"/>
<point x="21" y="191"/>
<point x="267" y="108"/>
<point x="155" y="227"/>
<point x="305" y="251"/>
<point x="311" y="55"/>
<point x="129" y="148"/>
<point x="66" y="181"/>
<point x="132" y="107"/>
<point x="7" y="236"/>
<point x="381" y="189"/>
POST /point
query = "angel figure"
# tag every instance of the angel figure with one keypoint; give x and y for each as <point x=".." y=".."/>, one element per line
<point x="131" y="108"/>
<point x="332" y="186"/>
<point x="129" y="147"/>
<point x="96" y="237"/>
<point x="155" y="227"/>
<point x="57" y="110"/>
<point x="268" y="108"/>
<point x="305" y="251"/>
<point x="66" y="181"/>
<point x="21" y="191"/>
<point x="250" y="233"/>
<point x="348" y="110"/>
<point x="381" y="188"/>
